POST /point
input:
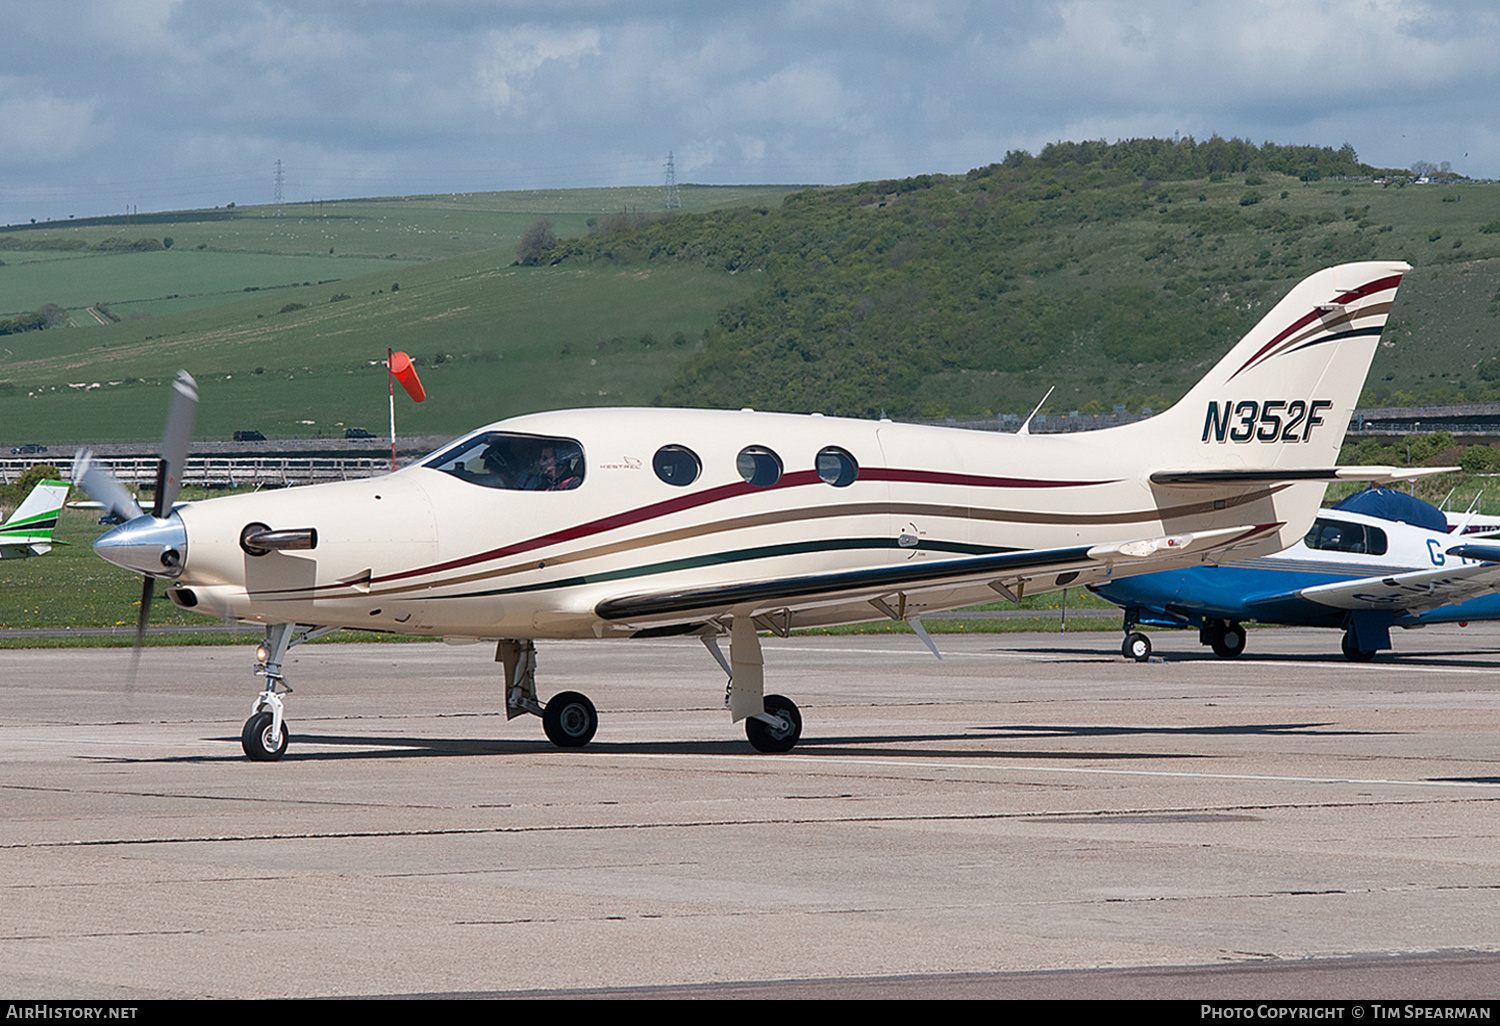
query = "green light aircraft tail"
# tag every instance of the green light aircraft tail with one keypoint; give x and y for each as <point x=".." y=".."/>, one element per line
<point x="28" y="532"/>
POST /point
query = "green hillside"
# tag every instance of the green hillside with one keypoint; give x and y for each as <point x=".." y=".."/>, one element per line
<point x="273" y="353"/>
<point x="1117" y="273"/>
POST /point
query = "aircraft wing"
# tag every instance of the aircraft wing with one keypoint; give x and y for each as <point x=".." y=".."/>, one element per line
<point x="1417" y="591"/>
<point x="876" y="584"/>
<point x="1272" y="475"/>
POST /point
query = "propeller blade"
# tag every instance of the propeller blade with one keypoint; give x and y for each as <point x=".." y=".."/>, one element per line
<point x="103" y="486"/>
<point x="175" y="441"/>
<point x="148" y="592"/>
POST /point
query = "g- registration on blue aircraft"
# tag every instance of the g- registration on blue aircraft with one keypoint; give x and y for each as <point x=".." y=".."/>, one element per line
<point x="1378" y="559"/>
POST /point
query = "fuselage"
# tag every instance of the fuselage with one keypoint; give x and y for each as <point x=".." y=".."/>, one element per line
<point x="468" y="543"/>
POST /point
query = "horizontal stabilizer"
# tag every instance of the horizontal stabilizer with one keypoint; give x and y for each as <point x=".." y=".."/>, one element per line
<point x="1477" y="550"/>
<point x="1272" y="475"/>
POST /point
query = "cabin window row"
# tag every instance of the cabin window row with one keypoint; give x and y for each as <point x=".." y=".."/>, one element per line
<point x="758" y="465"/>
<point x="534" y="463"/>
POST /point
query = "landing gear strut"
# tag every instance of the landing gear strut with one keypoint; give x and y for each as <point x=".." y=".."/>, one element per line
<point x="265" y="735"/>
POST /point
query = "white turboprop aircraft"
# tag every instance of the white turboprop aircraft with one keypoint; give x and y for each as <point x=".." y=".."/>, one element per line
<point x="642" y="523"/>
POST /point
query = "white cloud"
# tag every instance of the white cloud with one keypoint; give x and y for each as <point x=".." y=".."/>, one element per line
<point x="42" y="129"/>
<point x="514" y="56"/>
<point x="801" y="96"/>
<point x="1255" y="51"/>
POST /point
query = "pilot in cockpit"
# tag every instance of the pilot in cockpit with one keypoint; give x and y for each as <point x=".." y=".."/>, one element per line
<point x="549" y="471"/>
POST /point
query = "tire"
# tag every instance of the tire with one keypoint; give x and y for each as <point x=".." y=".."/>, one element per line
<point x="1228" y="643"/>
<point x="1353" y="654"/>
<point x="257" y="742"/>
<point x="570" y="720"/>
<point x="783" y="738"/>
<point x="1137" y="646"/>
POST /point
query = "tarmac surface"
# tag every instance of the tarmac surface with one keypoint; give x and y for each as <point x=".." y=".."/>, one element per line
<point x="1033" y="816"/>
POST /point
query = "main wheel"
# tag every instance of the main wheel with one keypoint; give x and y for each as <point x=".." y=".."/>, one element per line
<point x="1137" y="646"/>
<point x="1228" y="643"/>
<point x="784" y="735"/>
<point x="1354" y="653"/>
<point x="570" y="720"/>
<point x="258" y="741"/>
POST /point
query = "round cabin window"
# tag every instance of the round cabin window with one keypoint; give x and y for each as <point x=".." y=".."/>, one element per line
<point x="677" y="465"/>
<point x="759" y="466"/>
<point x="837" y="467"/>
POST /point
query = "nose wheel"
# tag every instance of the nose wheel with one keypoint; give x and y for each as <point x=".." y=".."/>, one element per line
<point x="1137" y="646"/>
<point x="263" y="739"/>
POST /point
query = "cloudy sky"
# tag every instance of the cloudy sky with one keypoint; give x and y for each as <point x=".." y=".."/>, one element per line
<point x="167" y="104"/>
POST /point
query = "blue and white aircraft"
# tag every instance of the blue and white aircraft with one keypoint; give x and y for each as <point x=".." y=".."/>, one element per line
<point x="1378" y="559"/>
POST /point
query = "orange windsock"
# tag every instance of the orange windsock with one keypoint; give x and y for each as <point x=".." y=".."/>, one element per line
<point x="405" y="373"/>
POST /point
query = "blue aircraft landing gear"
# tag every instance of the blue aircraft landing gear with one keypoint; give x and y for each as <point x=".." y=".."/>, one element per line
<point x="1137" y="646"/>
<point x="1226" y="638"/>
<point x="1353" y="652"/>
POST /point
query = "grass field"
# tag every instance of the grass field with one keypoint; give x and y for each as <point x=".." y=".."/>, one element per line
<point x="511" y="340"/>
<point x="279" y="331"/>
<point x="218" y="253"/>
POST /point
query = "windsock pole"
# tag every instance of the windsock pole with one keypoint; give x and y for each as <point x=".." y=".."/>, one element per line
<point x="406" y="373"/>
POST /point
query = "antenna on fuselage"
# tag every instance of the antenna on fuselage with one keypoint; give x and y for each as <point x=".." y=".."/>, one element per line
<point x="1025" y="428"/>
<point x="1469" y="514"/>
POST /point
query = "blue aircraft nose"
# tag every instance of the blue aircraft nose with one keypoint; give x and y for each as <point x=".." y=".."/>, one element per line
<point x="148" y="545"/>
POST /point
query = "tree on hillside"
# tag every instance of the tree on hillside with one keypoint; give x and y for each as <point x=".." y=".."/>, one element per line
<point x="536" y="243"/>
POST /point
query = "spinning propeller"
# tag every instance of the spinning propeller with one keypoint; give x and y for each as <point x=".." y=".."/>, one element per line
<point x="155" y="543"/>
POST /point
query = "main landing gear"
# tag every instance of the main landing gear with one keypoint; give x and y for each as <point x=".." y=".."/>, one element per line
<point x="569" y="719"/>
<point x="1352" y="651"/>
<point x="1226" y="638"/>
<point x="772" y="723"/>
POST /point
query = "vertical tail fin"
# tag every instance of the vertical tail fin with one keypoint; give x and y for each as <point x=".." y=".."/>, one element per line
<point x="29" y="529"/>
<point x="1283" y="396"/>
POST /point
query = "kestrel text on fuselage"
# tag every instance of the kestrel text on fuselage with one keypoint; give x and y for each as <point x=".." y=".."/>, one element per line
<point x="1271" y="420"/>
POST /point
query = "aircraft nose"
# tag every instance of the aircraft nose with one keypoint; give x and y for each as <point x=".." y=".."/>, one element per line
<point x="149" y="545"/>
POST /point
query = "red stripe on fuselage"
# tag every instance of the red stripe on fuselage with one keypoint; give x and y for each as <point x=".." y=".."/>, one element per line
<point x="696" y="499"/>
<point x="1380" y="285"/>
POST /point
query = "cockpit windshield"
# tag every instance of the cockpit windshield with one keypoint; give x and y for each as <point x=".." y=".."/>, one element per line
<point x="521" y="463"/>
